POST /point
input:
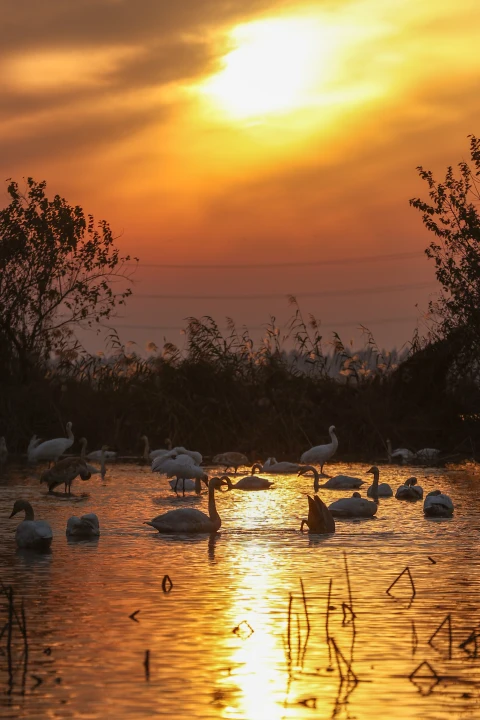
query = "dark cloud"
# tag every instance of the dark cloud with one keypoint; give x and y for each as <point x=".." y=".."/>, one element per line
<point x="154" y="66"/>
<point x="31" y="24"/>
<point x="70" y="137"/>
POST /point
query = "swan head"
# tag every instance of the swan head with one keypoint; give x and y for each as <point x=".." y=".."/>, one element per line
<point x="331" y="429"/>
<point x="216" y="482"/>
<point x="356" y="495"/>
<point x="306" y="468"/>
<point x="434" y="492"/>
<point x="374" y="470"/>
<point x="144" y="438"/>
<point x="83" y="441"/>
<point x="69" y="425"/>
<point x="20" y="505"/>
<point x="410" y="482"/>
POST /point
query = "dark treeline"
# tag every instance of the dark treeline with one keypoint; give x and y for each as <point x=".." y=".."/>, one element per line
<point x="225" y="393"/>
<point x="59" y="270"/>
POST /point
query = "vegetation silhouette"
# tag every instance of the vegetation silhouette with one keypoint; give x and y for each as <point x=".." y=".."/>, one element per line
<point x="276" y="396"/>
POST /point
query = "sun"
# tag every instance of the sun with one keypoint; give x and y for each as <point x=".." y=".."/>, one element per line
<point x="275" y="67"/>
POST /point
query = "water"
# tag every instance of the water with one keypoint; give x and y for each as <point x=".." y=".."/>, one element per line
<point x="218" y="640"/>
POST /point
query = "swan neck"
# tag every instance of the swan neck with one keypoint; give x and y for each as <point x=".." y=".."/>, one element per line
<point x="29" y="514"/>
<point x="83" y="448"/>
<point x="69" y="431"/>
<point x="212" y="508"/>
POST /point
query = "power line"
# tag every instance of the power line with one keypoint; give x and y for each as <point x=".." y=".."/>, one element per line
<point x="343" y="323"/>
<point x="268" y="266"/>
<point x="374" y="290"/>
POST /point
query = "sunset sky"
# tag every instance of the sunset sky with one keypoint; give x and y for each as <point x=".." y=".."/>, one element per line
<point x="271" y="134"/>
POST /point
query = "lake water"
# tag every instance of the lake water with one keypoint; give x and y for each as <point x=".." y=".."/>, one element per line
<point x="220" y="643"/>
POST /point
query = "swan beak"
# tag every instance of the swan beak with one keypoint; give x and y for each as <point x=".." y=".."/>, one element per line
<point x="14" y="512"/>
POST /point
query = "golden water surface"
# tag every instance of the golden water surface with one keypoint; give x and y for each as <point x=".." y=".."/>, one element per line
<point x="234" y="638"/>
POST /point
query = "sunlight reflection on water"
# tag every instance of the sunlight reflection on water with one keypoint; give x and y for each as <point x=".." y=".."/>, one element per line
<point x="220" y="642"/>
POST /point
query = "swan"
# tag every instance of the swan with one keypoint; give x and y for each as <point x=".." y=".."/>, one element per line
<point x="84" y="527"/>
<point x="191" y="520"/>
<point x="231" y="460"/>
<point x="97" y="454"/>
<point x="273" y="467"/>
<point x="402" y="456"/>
<point x="320" y="519"/>
<point x="180" y="450"/>
<point x="181" y="470"/>
<point x="91" y="468"/>
<point x="355" y="506"/>
<point x="249" y="482"/>
<point x="3" y="451"/>
<point x="64" y="472"/>
<point x="427" y="454"/>
<point x="339" y="482"/>
<point x="382" y="490"/>
<point x="50" y="449"/>
<point x="319" y="454"/>
<point x="161" y="462"/>
<point x="188" y="484"/>
<point x="31" y="533"/>
<point x="161" y="451"/>
<point x="437" y="505"/>
<point x="409" y="490"/>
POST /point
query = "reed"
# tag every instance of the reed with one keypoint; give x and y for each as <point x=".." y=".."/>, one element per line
<point x="14" y="619"/>
<point x="448" y="622"/>
<point x="405" y="571"/>
<point x="293" y="379"/>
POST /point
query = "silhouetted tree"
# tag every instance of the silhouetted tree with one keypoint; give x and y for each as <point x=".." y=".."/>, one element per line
<point x="58" y="270"/>
<point x="452" y="214"/>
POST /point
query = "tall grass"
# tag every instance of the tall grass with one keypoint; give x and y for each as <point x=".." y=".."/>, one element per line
<point x="224" y="391"/>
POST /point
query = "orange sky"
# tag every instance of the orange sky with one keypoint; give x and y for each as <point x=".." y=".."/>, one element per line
<point x="246" y="133"/>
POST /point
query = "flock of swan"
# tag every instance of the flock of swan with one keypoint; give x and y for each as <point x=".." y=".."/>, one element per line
<point x="183" y="469"/>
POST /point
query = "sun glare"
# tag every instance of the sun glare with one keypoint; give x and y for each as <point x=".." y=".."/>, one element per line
<point x="274" y="67"/>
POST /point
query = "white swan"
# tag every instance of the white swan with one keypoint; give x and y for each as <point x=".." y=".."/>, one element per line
<point x="339" y="482"/>
<point x="402" y="456"/>
<point x="355" y="506"/>
<point x="273" y="467"/>
<point x="161" y="462"/>
<point x="319" y="454"/>
<point x="50" y="449"/>
<point x="64" y="472"/>
<point x="31" y="533"/>
<point x="161" y="451"/>
<point x="438" y="505"/>
<point x="188" y="484"/>
<point x="84" y="527"/>
<point x="382" y="489"/>
<point x="320" y="519"/>
<point x="409" y="490"/>
<point x="249" y="482"/>
<point x="191" y="520"/>
<point x="97" y="454"/>
<point x="231" y="460"/>
<point x="180" y="450"/>
<point x="181" y="470"/>
<point x="428" y="454"/>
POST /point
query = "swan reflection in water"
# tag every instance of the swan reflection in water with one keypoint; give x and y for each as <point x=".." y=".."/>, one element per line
<point x="186" y="539"/>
